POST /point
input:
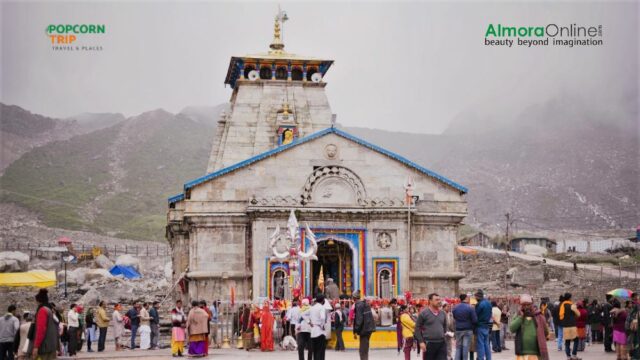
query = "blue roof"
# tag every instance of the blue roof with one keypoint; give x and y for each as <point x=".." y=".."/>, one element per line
<point x="331" y="130"/>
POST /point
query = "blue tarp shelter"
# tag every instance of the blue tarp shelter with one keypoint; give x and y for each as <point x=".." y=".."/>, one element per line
<point x="127" y="271"/>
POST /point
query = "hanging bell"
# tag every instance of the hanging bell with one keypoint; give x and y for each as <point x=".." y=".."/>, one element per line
<point x="239" y="342"/>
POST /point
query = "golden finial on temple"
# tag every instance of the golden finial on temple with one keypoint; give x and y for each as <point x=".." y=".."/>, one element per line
<point x="277" y="45"/>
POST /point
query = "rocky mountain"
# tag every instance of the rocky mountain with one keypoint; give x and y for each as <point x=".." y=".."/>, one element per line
<point x="112" y="181"/>
<point x="559" y="165"/>
<point x="88" y="122"/>
<point x="21" y="131"/>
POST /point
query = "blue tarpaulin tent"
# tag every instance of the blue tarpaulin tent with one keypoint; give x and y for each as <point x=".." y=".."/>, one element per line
<point x="127" y="271"/>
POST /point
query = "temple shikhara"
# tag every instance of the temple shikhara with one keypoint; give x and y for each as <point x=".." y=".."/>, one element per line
<point x="377" y="222"/>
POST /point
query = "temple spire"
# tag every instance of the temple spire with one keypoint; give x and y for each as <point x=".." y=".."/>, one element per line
<point x="277" y="46"/>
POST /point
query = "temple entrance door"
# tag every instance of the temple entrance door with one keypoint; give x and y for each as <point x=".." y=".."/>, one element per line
<point x="336" y="260"/>
<point x="384" y="279"/>
<point x="279" y="284"/>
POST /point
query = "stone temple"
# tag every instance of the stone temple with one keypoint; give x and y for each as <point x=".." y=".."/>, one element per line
<point x="383" y="224"/>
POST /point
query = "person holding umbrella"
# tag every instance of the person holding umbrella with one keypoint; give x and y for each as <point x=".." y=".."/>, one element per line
<point x="619" y="316"/>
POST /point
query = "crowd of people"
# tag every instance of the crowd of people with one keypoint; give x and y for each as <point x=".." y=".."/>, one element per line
<point x="477" y="327"/>
<point x="470" y="327"/>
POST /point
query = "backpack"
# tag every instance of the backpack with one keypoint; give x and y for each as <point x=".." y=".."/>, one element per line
<point x="127" y="322"/>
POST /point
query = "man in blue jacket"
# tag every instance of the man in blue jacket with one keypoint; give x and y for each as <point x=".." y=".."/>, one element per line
<point x="483" y="328"/>
<point x="465" y="319"/>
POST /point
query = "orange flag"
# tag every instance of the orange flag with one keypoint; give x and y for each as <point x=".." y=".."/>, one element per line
<point x="321" y="280"/>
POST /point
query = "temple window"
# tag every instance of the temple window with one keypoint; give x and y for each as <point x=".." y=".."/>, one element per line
<point x="296" y="74"/>
<point x="281" y="73"/>
<point x="265" y="73"/>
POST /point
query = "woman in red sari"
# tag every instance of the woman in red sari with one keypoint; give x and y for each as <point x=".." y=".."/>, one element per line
<point x="266" y="328"/>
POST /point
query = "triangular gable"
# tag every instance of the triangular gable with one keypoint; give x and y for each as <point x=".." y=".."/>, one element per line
<point x="331" y="130"/>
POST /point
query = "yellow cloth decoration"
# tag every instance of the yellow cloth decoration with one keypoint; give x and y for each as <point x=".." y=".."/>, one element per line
<point x="561" y="313"/>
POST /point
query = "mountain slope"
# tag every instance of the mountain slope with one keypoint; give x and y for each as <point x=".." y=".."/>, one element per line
<point x="115" y="180"/>
<point x="554" y="167"/>
<point x="559" y="165"/>
<point x="21" y="131"/>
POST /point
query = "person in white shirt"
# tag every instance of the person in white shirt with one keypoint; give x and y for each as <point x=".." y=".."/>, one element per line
<point x="318" y="317"/>
<point x="303" y="330"/>
<point x="73" y="323"/>
<point x="293" y="316"/>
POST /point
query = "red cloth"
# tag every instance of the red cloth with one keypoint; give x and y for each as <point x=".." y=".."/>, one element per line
<point x="42" y="320"/>
<point x="581" y="322"/>
<point x="266" y="330"/>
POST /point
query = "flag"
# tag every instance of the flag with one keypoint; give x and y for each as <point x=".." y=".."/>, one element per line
<point x="321" y="280"/>
<point x="408" y="191"/>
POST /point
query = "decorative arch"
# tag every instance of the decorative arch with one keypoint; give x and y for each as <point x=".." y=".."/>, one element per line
<point x="389" y="265"/>
<point x="356" y="239"/>
<point x="272" y="269"/>
<point x="334" y="184"/>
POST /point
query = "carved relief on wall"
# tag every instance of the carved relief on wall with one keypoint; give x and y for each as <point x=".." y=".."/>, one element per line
<point x="333" y="185"/>
<point x="331" y="152"/>
<point x="384" y="240"/>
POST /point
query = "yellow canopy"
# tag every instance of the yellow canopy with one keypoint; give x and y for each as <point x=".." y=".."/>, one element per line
<point x="39" y="279"/>
<point x="466" y="250"/>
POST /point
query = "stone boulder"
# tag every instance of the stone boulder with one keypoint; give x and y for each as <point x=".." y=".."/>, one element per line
<point x="90" y="298"/>
<point x="13" y="261"/>
<point x="74" y="277"/>
<point x="128" y="260"/>
<point x="97" y="274"/>
<point x="103" y="262"/>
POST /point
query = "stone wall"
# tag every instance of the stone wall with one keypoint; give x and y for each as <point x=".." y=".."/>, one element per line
<point x="251" y="127"/>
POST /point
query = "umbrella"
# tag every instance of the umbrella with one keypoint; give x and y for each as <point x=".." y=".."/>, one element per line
<point x="64" y="240"/>
<point x="621" y="293"/>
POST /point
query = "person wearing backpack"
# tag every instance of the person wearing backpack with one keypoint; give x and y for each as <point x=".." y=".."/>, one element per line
<point x="134" y="320"/>
<point x="363" y="324"/>
<point x="43" y="334"/>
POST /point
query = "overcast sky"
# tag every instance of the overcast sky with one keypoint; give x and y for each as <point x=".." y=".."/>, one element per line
<point x="410" y="66"/>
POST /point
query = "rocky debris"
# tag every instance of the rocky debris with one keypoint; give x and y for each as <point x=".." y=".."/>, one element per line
<point x="499" y="275"/>
<point x="532" y="249"/>
<point x="128" y="260"/>
<point x="74" y="277"/>
<point x="13" y="261"/>
<point x="168" y="271"/>
<point x="90" y="298"/>
<point x="103" y="262"/>
<point x="525" y="276"/>
<point x="97" y="274"/>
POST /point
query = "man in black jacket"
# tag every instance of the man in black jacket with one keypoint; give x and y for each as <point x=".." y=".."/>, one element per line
<point x="363" y="325"/>
<point x="606" y="323"/>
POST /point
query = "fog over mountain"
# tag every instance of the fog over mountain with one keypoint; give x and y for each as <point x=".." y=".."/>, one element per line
<point x="559" y="165"/>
